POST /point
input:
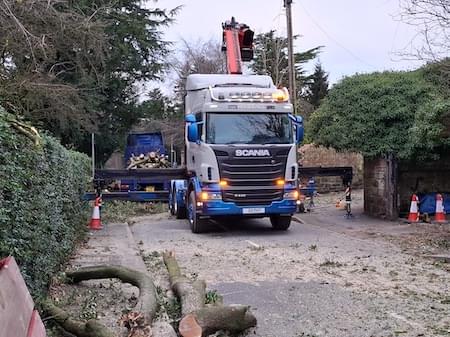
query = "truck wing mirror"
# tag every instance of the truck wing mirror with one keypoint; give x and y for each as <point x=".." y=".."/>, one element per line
<point x="190" y="118"/>
<point x="192" y="128"/>
<point x="299" y="130"/>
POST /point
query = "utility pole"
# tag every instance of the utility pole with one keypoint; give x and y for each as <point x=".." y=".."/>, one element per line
<point x="291" y="63"/>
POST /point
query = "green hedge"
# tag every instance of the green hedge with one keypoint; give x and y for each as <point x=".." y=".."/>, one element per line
<point x="399" y="113"/>
<point x="41" y="213"/>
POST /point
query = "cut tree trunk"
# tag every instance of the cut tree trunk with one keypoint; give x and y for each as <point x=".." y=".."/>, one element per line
<point x="199" y="320"/>
<point x="91" y="328"/>
<point x="140" y="319"/>
<point x="147" y="302"/>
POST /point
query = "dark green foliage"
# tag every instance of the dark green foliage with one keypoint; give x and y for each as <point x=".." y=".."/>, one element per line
<point x="398" y="113"/>
<point x="317" y="88"/>
<point x="74" y="67"/>
<point x="41" y="212"/>
<point x="271" y="58"/>
<point x="138" y="54"/>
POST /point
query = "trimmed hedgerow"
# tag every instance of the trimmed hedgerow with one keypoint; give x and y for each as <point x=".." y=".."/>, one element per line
<point x="41" y="212"/>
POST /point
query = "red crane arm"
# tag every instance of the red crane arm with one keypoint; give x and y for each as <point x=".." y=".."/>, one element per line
<point x="237" y="44"/>
<point x="233" y="51"/>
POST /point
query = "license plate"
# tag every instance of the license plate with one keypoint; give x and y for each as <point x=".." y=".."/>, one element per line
<point x="253" y="210"/>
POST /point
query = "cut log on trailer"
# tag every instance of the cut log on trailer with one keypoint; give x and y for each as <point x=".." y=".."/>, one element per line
<point x="150" y="160"/>
<point x="199" y="319"/>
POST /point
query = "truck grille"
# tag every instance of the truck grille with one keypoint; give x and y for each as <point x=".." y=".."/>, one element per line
<point x="252" y="180"/>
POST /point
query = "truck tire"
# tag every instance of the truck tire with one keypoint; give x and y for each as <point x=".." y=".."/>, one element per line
<point x="196" y="224"/>
<point x="280" y="222"/>
<point x="172" y="203"/>
<point x="180" y="211"/>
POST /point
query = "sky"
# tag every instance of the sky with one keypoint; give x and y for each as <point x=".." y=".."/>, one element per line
<point x="358" y="36"/>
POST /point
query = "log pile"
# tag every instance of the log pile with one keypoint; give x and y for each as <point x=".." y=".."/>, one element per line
<point x="150" y="160"/>
<point x="198" y="318"/>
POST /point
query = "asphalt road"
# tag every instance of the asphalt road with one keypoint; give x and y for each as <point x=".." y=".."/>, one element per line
<point x="312" y="280"/>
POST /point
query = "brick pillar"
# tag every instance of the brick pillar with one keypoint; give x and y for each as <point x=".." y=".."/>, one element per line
<point x="380" y="187"/>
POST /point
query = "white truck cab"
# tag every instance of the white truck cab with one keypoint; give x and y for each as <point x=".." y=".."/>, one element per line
<point x="241" y="138"/>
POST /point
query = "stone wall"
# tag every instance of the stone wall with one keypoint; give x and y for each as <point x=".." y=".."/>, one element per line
<point x="380" y="191"/>
<point x="312" y="155"/>
<point x="388" y="185"/>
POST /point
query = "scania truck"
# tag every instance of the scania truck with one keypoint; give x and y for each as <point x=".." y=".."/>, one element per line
<point x="241" y="157"/>
<point x="240" y="147"/>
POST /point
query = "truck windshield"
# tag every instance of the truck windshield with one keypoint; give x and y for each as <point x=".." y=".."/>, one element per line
<point x="252" y="128"/>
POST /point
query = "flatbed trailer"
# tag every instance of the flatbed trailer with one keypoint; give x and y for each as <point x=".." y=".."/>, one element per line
<point x="159" y="178"/>
<point x="163" y="177"/>
<point x="345" y="172"/>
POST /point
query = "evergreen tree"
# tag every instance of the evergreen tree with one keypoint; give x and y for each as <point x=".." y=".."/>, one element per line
<point x="317" y="88"/>
<point x="271" y="58"/>
<point x="72" y="66"/>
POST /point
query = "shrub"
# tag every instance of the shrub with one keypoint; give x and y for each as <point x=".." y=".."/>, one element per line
<point x="398" y="113"/>
<point x="41" y="212"/>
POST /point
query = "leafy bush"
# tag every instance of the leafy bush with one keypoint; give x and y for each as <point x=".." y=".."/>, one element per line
<point x="41" y="212"/>
<point x="398" y="113"/>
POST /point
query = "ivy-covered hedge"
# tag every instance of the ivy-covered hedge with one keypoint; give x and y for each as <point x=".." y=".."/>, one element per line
<point x="41" y="213"/>
<point x="400" y="113"/>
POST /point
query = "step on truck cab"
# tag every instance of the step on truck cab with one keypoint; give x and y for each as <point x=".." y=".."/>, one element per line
<point x="241" y="156"/>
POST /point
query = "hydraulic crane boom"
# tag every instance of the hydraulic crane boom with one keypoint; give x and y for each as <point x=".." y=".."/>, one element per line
<point x="237" y="45"/>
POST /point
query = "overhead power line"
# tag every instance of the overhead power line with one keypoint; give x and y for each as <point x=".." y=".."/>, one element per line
<point x="339" y="44"/>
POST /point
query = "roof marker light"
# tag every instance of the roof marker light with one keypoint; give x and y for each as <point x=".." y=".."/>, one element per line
<point x="281" y="95"/>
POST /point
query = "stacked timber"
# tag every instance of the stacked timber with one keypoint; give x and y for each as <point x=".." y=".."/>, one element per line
<point x="150" y="160"/>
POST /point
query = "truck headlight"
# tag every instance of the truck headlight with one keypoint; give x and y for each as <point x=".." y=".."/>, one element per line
<point x="211" y="196"/>
<point x="291" y="195"/>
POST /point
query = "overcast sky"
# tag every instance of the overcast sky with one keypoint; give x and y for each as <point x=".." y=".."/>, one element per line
<point x="357" y="35"/>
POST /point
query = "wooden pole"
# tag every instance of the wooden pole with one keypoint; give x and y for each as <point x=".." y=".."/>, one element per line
<point x="291" y="62"/>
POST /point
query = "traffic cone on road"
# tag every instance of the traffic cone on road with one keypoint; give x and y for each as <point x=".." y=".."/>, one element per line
<point x="414" y="209"/>
<point x="96" y="222"/>
<point x="440" y="211"/>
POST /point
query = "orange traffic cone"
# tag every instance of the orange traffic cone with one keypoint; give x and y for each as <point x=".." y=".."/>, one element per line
<point x="440" y="212"/>
<point x="96" y="222"/>
<point x="414" y="210"/>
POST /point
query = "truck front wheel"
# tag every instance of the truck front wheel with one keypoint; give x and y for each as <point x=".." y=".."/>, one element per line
<point x="195" y="222"/>
<point x="280" y="222"/>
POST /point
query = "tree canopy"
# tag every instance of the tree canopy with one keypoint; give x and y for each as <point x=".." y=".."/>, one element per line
<point x="73" y="67"/>
<point x="317" y="87"/>
<point x="398" y="113"/>
<point x="271" y="58"/>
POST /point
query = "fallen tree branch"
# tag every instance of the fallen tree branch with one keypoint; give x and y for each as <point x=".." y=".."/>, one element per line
<point x="91" y="328"/>
<point x="191" y="293"/>
<point x="147" y="302"/>
<point x="199" y="320"/>
<point x="138" y="322"/>
<point x="27" y="130"/>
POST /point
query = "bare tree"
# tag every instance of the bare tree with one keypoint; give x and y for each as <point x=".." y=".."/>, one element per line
<point x="432" y="20"/>
<point x="199" y="57"/>
<point x="51" y="57"/>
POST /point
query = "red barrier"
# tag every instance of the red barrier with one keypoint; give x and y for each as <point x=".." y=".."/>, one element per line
<point x="16" y="305"/>
<point x="36" y="327"/>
